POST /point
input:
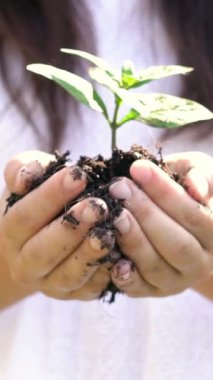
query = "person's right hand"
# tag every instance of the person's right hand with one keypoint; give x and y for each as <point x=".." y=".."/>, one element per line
<point x="44" y="250"/>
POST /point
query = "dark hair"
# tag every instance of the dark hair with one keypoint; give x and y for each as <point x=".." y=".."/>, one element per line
<point x="36" y="30"/>
<point x="189" y="25"/>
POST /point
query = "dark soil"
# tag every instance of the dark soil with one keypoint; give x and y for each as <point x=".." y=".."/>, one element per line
<point x="101" y="172"/>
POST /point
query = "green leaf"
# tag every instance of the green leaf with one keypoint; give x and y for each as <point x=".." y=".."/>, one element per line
<point x="130" y="99"/>
<point x="128" y="81"/>
<point x="128" y="68"/>
<point x="127" y="74"/>
<point x="167" y="111"/>
<point x="78" y="87"/>
<point x="99" y="62"/>
<point x="101" y="77"/>
<point x="101" y="103"/>
<point x="131" y="115"/>
<point x="158" y="72"/>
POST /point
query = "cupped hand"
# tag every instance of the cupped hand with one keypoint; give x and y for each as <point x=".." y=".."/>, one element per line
<point x="165" y="229"/>
<point x="57" y="254"/>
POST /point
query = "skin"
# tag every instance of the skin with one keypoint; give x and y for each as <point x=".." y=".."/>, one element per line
<point x="171" y="247"/>
<point x="164" y="230"/>
<point x="44" y="252"/>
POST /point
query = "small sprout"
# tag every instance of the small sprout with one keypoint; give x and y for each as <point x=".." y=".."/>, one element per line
<point x="156" y="110"/>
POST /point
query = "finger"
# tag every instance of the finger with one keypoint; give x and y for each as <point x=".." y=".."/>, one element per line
<point x="40" y="206"/>
<point x="22" y="169"/>
<point x="195" y="170"/>
<point x="176" y="245"/>
<point x="197" y="186"/>
<point x="151" y="266"/>
<point x="173" y="199"/>
<point x="77" y="269"/>
<point x="90" y="291"/>
<point x="181" y="163"/>
<point x="50" y="246"/>
<point x="127" y="279"/>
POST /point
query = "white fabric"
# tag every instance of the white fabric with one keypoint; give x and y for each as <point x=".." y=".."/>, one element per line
<point x="143" y="339"/>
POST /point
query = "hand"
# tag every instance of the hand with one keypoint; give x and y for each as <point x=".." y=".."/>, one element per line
<point x="164" y="231"/>
<point x="45" y="251"/>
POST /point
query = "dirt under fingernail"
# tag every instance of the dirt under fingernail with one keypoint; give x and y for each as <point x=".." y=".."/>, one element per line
<point x="102" y="238"/>
<point x="93" y="211"/>
<point x="27" y="175"/>
<point x="77" y="173"/>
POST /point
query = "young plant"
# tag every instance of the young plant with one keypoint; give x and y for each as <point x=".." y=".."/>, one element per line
<point x="154" y="109"/>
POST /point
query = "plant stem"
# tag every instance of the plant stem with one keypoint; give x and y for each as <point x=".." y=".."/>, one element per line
<point x="113" y="123"/>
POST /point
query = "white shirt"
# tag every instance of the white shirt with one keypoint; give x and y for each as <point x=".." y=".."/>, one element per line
<point x="132" y="339"/>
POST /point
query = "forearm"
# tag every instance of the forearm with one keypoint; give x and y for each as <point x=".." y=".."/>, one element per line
<point x="9" y="291"/>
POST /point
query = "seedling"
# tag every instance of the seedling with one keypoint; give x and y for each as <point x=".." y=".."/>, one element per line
<point x="155" y="109"/>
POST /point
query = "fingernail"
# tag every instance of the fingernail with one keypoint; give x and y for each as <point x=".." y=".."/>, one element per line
<point x="26" y="175"/>
<point x="94" y="211"/>
<point x="77" y="173"/>
<point x="121" y="270"/>
<point x="74" y="174"/>
<point x="141" y="171"/>
<point x="120" y="190"/>
<point x="102" y="238"/>
<point x="122" y="223"/>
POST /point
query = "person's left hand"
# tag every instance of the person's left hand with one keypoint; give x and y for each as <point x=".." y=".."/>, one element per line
<point x="164" y="230"/>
